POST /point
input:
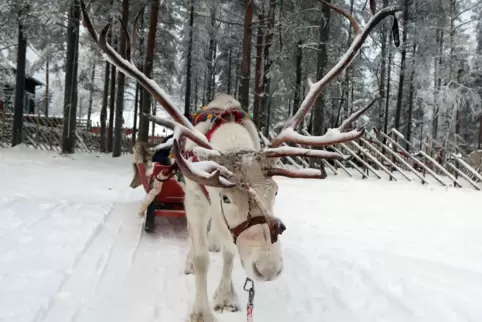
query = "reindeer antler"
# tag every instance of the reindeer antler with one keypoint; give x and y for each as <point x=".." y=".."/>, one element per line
<point x="332" y="136"/>
<point x="206" y="172"/>
<point x="288" y="133"/>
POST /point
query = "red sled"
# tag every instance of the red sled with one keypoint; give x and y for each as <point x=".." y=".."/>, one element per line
<point x="169" y="202"/>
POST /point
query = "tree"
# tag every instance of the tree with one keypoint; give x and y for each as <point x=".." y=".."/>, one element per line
<point x="20" y="78"/>
<point x="246" y="62"/>
<point x="70" y="95"/>
<point x="148" y="65"/>
<point x="119" y="116"/>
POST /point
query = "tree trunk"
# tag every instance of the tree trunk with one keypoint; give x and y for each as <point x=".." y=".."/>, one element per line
<point x="103" y="110"/>
<point x="213" y="74"/>
<point x="383" y="68"/>
<point x="187" y="97"/>
<point x="480" y="133"/>
<point x="389" y="74"/>
<point x="299" y="70"/>
<point x="195" y="92"/>
<point x="91" y="98"/>
<point x="70" y="96"/>
<point x="154" y="112"/>
<point x="138" y="98"/>
<point x="136" y="111"/>
<point x="318" y="114"/>
<point x="210" y="58"/>
<point x="148" y="64"/>
<point x="398" y="111"/>
<point x="229" y="70"/>
<point x="119" y="113"/>
<point x="268" y="62"/>
<point x="205" y="86"/>
<point x="47" y="85"/>
<point x="437" y="82"/>
<point x="17" y="136"/>
<point x="246" y="62"/>
<point x="113" y="77"/>
<point x="258" y="70"/>
<point x="411" y="94"/>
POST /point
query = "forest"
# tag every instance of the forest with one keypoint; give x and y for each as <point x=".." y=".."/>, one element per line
<point x="423" y="65"/>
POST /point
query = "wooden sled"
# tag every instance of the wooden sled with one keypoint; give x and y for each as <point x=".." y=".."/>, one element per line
<point x="165" y="195"/>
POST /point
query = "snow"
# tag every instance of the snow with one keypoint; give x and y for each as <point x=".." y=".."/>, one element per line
<point x="72" y="248"/>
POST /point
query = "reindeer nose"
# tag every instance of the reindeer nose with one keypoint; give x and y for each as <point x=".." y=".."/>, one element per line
<point x="267" y="273"/>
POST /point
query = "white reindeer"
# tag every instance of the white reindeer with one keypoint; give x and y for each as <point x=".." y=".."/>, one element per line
<point x="231" y="180"/>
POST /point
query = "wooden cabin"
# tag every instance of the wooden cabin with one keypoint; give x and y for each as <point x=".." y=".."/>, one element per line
<point x="7" y="100"/>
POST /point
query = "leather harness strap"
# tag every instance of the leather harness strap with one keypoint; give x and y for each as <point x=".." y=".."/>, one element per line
<point x="217" y="117"/>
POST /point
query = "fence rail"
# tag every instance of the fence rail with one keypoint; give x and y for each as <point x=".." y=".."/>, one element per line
<point x="381" y="156"/>
<point x="45" y="133"/>
<point x="385" y="155"/>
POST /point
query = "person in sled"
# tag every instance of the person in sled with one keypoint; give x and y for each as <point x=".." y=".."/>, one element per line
<point x="161" y="156"/>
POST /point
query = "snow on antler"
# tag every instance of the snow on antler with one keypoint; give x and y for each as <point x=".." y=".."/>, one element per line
<point x="181" y="130"/>
<point x="299" y="173"/>
<point x="129" y="68"/>
<point x="162" y="146"/>
<point x="288" y="132"/>
<point x="207" y="173"/>
<point x="332" y="136"/>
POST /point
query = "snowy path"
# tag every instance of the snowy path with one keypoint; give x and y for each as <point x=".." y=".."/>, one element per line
<point x="72" y="249"/>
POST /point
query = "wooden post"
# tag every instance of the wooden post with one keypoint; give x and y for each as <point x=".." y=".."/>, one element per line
<point x="369" y="156"/>
<point x="415" y="160"/>
<point x="399" y="158"/>
<point x="384" y="157"/>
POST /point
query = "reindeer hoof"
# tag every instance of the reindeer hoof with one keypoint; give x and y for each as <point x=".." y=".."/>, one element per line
<point x="202" y="317"/>
<point x="214" y="248"/>
<point x="226" y="307"/>
<point x="189" y="268"/>
<point x="225" y="299"/>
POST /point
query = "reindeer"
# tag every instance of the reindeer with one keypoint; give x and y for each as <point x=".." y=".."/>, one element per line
<point x="229" y="177"/>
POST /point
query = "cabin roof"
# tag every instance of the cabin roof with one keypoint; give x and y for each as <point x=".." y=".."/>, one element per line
<point x="32" y="79"/>
<point x="12" y="67"/>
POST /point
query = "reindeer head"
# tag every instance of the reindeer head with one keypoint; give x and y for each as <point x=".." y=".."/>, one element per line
<point x="247" y="211"/>
<point x="242" y="179"/>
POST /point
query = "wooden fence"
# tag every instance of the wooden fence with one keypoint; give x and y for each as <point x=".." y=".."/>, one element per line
<point x="383" y="156"/>
<point x="45" y="133"/>
<point x="391" y="157"/>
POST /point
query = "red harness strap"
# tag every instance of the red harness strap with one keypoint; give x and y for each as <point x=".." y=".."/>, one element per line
<point x="216" y="123"/>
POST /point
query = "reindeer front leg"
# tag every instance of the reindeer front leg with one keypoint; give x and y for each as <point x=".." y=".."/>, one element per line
<point x="225" y="297"/>
<point x="197" y="213"/>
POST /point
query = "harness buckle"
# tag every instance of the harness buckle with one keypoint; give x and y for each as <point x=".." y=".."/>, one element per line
<point x="250" y="305"/>
<point x="250" y="290"/>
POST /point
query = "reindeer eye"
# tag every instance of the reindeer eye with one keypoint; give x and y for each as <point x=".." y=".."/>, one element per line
<point x="226" y="199"/>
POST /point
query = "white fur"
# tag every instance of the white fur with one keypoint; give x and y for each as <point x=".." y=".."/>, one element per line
<point x="253" y="244"/>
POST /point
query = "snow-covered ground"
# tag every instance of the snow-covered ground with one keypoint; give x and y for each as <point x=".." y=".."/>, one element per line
<point x="72" y="249"/>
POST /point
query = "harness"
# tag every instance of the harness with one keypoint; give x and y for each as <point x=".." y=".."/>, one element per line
<point x="217" y="117"/>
